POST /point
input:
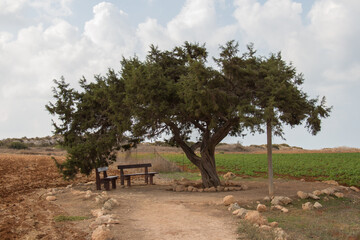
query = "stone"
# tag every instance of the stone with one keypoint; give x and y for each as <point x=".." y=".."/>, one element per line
<point x="244" y="187"/>
<point x="50" y="198"/>
<point x="280" y="234"/>
<point x="77" y="192"/>
<point x="273" y="224"/>
<point x="331" y="182"/>
<point x="241" y="212"/>
<point x="180" y="188"/>
<point x="212" y="189"/>
<point x="90" y="183"/>
<point x="237" y="188"/>
<point x="200" y="190"/>
<point x="339" y="195"/>
<point x="231" y="188"/>
<point x="326" y="199"/>
<point x="344" y="188"/>
<point x="317" y="205"/>
<point x="88" y="194"/>
<point x="284" y="210"/>
<point x="302" y="180"/>
<point x="261" y="208"/>
<point x="307" y="206"/>
<point x="281" y="200"/>
<point x="255" y="217"/>
<point x="101" y="233"/>
<point x="103" y="219"/>
<point x="265" y="227"/>
<point x="328" y="191"/>
<point x="226" y="189"/>
<point x="220" y="188"/>
<point x="232" y="183"/>
<point x="190" y="188"/>
<point x="69" y="186"/>
<point x="302" y="195"/>
<point x="313" y="196"/>
<point x="97" y="212"/>
<point x="110" y="204"/>
<point x="317" y="192"/>
<point x="355" y="189"/>
<point x="229" y="176"/>
<point x="279" y="207"/>
<point x="266" y="199"/>
<point x="206" y="189"/>
<point x="233" y="207"/>
<point x="229" y="199"/>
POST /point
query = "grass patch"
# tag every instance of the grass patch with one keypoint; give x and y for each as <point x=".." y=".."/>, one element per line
<point x="338" y="219"/>
<point x="247" y="230"/>
<point x="179" y="175"/>
<point x="63" y="218"/>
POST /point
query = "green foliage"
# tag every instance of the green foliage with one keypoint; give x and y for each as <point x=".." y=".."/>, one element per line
<point x="62" y="218"/>
<point x="17" y="145"/>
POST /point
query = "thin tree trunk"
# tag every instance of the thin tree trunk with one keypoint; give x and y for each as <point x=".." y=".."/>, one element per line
<point x="269" y="157"/>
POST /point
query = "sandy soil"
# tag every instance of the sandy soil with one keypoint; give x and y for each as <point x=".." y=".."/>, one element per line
<point x="145" y="212"/>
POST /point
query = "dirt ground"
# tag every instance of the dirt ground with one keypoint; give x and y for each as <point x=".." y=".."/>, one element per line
<point x="144" y="211"/>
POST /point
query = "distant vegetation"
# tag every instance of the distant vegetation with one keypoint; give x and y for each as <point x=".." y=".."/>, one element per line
<point x="18" y="145"/>
<point x="30" y="142"/>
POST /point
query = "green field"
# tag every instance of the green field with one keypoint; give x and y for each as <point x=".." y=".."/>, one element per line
<point x="341" y="167"/>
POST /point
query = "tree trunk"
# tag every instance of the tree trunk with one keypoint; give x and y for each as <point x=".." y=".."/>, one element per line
<point x="207" y="168"/>
<point x="269" y="157"/>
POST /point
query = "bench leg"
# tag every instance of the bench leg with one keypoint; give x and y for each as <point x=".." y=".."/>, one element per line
<point x="107" y="185"/>
<point x="128" y="181"/>
<point x="113" y="183"/>
<point x="151" y="179"/>
<point x="122" y="180"/>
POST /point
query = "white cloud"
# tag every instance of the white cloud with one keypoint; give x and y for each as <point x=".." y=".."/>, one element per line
<point x="11" y="6"/>
<point x="110" y="30"/>
<point x="196" y="22"/>
<point x="269" y="25"/>
<point x="150" y="32"/>
<point x="54" y="8"/>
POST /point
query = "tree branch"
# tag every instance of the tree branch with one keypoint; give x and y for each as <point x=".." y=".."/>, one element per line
<point x="222" y="132"/>
<point x="188" y="150"/>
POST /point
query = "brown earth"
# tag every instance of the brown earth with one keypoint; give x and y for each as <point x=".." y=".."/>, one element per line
<point x="145" y="212"/>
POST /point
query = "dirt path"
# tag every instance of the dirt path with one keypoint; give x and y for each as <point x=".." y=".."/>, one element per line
<point x="153" y="213"/>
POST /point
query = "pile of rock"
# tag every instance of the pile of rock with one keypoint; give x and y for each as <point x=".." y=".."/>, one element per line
<point x="185" y="185"/>
<point x="104" y="219"/>
<point x="254" y="216"/>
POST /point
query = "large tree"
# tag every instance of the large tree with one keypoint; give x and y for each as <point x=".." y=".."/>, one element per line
<point x="170" y="93"/>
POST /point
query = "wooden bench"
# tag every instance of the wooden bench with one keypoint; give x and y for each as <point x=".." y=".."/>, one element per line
<point x="106" y="179"/>
<point x="127" y="177"/>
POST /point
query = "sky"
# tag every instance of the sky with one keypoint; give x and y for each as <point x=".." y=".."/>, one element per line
<point x="42" y="40"/>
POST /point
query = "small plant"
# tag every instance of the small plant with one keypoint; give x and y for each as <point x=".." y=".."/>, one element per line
<point x="18" y="145"/>
<point x="62" y="218"/>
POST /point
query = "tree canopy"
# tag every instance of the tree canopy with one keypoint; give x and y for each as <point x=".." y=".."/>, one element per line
<point x="178" y="94"/>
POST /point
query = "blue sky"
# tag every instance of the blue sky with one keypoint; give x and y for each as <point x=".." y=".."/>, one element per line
<point x="42" y="40"/>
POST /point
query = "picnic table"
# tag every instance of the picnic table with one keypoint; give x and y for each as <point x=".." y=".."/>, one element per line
<point x="128" y="176"/>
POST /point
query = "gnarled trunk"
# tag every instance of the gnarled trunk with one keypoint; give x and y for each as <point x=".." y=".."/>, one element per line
<point x="207" y="168"/>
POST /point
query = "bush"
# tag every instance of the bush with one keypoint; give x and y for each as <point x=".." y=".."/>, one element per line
<point x="18" y="145"/>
